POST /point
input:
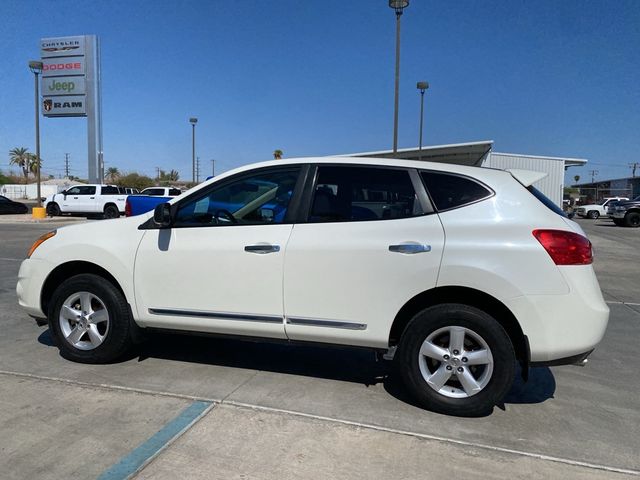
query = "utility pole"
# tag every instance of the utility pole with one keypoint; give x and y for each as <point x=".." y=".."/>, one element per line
<point x="66" y="165"/>
<point x="198" y="169"/>
<point x="633" y="167"/>
<point x="158" y="173"/>
<point x="213" y="167"/>
<point x="593" y="174"/>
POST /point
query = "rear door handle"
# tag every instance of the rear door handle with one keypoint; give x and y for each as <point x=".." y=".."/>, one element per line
<point x="263" y="248"/>
<point x="92" y="198"/>
<point x="410" y="248"/>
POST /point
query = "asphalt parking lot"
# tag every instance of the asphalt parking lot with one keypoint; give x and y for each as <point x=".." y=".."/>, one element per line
<point x="231" y="409"/>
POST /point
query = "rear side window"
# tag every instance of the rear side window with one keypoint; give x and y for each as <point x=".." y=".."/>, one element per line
<point x="452" y="191"/>
<point x="174" y="192"/>
<point x="110" y="191"/>
<point x="350" y="194"/>
<point x="546" y="201"/>
<point x="156" y="192"/>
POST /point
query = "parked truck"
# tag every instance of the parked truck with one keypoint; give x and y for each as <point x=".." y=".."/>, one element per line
<point x="88" y="200"/>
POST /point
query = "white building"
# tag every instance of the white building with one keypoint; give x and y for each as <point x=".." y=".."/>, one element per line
<point x="481" y="154"/>
<point x="17" y="191"/>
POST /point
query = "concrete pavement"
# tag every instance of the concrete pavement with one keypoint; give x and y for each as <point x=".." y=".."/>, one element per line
<point x="344" y="405"/>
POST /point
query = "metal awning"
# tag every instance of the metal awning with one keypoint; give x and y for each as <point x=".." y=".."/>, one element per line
<point x="471" y="153"/>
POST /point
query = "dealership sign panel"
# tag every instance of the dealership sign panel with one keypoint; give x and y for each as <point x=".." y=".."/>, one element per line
<point x="63" y="86"/>
<point x="64" y="76"/>
<point x="62" y="47"/>
<point x="73" y="105"/>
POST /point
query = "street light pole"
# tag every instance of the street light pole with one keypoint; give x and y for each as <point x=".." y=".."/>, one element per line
<point x="213" y="167"/>
<point x="36" y="69"/>
<point x="422" y="86"/>
<point x="398" y="6"/>
<point x="193" y="122"/>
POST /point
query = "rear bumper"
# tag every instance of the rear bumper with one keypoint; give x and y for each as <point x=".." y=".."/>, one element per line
<point x="561" y="328"/>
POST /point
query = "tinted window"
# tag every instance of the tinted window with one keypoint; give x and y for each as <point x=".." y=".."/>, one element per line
<point x="110" y="191"/>
<point x="450" y="191"/>
<point x="156" y="192"/>
<point x="173" y="192"/>
<point x="3" y="199"/>
<point x="345" y="194"/>
<point x="546" y="201"/>
<point x="81" y="191"/>
<point x="252" y="200"/>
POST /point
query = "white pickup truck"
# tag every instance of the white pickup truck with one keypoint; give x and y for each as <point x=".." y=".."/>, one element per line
<point x="596" y="210"/>
<point x="87" y="200"/>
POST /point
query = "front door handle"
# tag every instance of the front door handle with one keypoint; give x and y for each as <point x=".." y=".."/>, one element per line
<point x="410" y="248"/>
<point x="92" y="198"/>
<point x="75" y="198"/>
<point x="262" y="248"/>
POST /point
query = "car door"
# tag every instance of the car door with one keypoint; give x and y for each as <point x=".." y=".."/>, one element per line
<point x="219" y="267"/>
<point x="81" y="198"/>
<point x="370" y="243"/>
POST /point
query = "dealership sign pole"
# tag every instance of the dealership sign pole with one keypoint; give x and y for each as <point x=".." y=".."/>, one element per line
<point x="71" y="88"/>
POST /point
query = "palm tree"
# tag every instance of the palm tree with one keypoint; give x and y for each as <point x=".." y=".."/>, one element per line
<point x="113" y="173"/>
<point x="34" y="163"/>
<point x="576" y="178"/>
<point x="22" y="158"/>
<point x="173" y="176"/>
<point x="277" y="154"/>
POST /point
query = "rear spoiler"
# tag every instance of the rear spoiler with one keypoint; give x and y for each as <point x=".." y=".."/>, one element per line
<point x="526" y="177"/>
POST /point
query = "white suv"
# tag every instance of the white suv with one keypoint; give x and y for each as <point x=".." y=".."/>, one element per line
<point x="435" y="264"/>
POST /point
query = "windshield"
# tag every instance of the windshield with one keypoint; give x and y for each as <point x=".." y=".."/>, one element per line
<point x="547" y="202"/>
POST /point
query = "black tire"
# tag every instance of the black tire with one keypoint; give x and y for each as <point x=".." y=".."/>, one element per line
<point x="120" y="328"/>
<point x="53" y="209"/>
<point x="436" y="319"/>
<point x="593" y="214"/>
<point x="619" y="221"/>
<point x="111" y="211"/>
<point x="632" y="219"/>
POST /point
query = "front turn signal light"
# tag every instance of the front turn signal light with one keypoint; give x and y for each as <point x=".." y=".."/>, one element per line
<point x="40" y="241"/>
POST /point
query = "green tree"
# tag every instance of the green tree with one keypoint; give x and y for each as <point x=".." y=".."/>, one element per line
<point x="21" y="157"/>
<point x="34" y="163"/>
<point x="134" y="180"/>
<point x="277" y="154"/>
<point x="576" y="178"/>
<point x="112" y="174"/>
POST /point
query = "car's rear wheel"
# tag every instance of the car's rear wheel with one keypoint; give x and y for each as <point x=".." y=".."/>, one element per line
<point x="53" y="209"/>
<point x="456" y="360"/>
<point x="593" y="214"/>
<point x="111" y="211"/>
<point x="89" y="320"/>
<point x="632" y="219"/>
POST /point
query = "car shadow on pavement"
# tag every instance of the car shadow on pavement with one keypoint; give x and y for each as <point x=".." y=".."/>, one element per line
<point x="355" y="365"/>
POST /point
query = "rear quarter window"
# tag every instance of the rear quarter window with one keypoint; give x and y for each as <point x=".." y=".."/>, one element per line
<point x="450" y="191"/>
<point x="546" y="201"/>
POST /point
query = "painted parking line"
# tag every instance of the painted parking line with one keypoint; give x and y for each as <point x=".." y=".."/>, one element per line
<point x="623" y="303"/>
<point x="146" y="452"/>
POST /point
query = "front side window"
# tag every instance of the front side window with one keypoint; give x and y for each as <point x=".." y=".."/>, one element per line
<point x="345" y="193"/>
<point x="451" y="191"/>
<point x="251" y="200"/>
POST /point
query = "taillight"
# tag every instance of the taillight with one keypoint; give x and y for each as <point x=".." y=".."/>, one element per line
<point x="565" y="248"/>
<point x="127" y="208"/>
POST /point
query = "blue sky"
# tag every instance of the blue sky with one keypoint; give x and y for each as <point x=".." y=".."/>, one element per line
<point x="315" y="77"/>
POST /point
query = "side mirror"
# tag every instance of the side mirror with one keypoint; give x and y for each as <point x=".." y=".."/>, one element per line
<point x="162" y="215"/>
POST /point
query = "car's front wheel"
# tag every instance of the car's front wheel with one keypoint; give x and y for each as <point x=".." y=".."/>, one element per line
<point x="89" y="320"/>
<point x="456" y="359"/>
<point x="593" y="214"/>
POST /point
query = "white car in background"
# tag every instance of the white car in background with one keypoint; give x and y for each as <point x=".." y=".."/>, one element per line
<point x="597" y="210"/>
<point x="105" y="200"/>
<point x="435" y="265"/>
